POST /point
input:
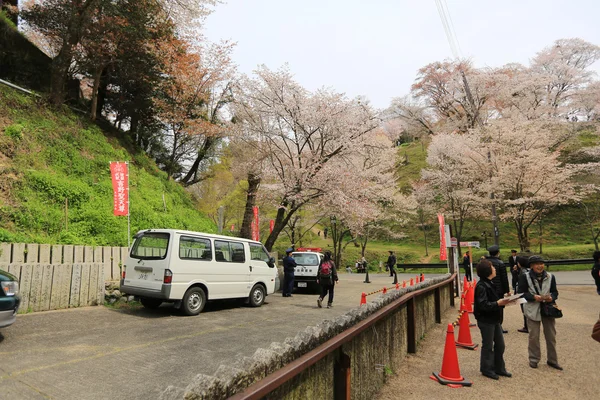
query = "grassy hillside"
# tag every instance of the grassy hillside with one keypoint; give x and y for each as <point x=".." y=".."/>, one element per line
<point x="47" y="157"/>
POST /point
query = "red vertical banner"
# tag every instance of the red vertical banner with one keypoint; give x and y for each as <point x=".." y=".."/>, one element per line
<point x="443" y="254"/>
<point x="271" y="225"/>
<point x="120" y="182"/>
<point x="255" y="233"/>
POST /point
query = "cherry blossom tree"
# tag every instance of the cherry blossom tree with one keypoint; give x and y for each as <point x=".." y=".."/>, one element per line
<point x="566" y="64"/>
<point x="299" y="133"/>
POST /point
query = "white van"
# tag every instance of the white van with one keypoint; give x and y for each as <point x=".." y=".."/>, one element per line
<point x="189" y="268"/>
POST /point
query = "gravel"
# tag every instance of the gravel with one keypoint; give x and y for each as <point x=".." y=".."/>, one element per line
<point x="578" y="354"/>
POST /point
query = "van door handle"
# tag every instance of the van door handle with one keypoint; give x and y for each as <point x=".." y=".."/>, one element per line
<point x="250" y="268"/>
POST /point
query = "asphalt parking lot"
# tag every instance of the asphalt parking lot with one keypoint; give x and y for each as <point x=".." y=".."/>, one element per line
<point x="99" y="352"/>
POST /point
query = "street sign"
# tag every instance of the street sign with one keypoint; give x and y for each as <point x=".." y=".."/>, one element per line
<point x="453" y="242"/>
<point x="469" y="244"/>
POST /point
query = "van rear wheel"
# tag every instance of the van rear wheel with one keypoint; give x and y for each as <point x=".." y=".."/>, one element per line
<point x="194" y="301"/>
<point x="257" y="296"/>
<point x="150" y="303"/>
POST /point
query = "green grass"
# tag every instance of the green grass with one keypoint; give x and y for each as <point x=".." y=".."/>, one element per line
<point x="412" y="159"/>
<point x="49" y="157"/>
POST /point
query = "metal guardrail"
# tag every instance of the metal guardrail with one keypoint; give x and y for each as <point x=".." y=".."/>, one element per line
<point x="576" y="261"/>
<point x="342" y="376"/>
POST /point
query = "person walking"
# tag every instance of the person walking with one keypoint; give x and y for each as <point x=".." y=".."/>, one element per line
<point x="523" y="267"/>
<point x="467" y="266"/>
<point x="596" y="270"/>
<point x="289" y="266"/>
<point x="327" y="278"/>
<point x="514" y="269"/>
<point x="487" y="310"/>
<point x="539" y="286"/>
<point x="391" y="261"/>
<point x="501" y="279"/>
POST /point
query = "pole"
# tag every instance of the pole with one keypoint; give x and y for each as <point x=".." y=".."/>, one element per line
<point x="489" y="155"/>
<point x="220" y="219"/>
<point x="128" y="209"/>
<point x="471" y="262"/>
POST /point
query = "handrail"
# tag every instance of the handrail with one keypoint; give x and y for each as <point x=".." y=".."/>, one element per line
<point x="271" y="382"/>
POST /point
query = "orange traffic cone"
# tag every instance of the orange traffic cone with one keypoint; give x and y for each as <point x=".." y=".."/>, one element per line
<point x="463" y="306"/>
<point x="411" y="282"/>
<point x="464" y="332"/>
<point x="467" y="296"/>
<point x="403" y="283"/>
<point x="465" y="284"/>
<point x="422" y="277"/>
<point x="417" y="279"/>
<point x="384" y="290"/>
<point x="363" y="298"/>
<point x="472" y="294"/>
<point x="450" y="374"/>
<point x="397" y="286"/>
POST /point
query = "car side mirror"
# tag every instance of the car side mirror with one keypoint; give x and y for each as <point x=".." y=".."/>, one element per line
<point x="271" y="262"/>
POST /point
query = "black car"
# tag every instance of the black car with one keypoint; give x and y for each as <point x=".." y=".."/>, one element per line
<point x="9" y="299"/>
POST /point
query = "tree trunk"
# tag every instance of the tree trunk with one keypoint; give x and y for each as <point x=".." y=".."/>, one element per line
<point x="102" y="91"/>
<point x="81" y="16"/>
<point x="94" y="106"/>
<point x="59" y="73"/>
<point x="192" y="176"/>
<point x="253" y="184"/>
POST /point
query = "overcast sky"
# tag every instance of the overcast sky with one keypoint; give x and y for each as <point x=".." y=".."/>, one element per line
<point x="375" y="47"/>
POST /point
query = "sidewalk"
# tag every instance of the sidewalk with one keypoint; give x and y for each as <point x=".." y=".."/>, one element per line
<point x="578" y="354"/>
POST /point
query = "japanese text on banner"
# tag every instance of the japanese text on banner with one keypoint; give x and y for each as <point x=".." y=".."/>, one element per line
<point x="443" y="255"/>
<point x="120" y="182"/>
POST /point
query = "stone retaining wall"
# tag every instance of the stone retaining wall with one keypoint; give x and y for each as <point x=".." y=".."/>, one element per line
<point x="374" y="354"/>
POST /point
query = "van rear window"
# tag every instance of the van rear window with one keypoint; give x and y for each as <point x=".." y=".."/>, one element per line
<point x="151" y="246"/>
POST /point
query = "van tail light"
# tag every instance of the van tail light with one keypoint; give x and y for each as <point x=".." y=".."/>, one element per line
<point x="123" y="273"/>
<point x="168" y="276"/>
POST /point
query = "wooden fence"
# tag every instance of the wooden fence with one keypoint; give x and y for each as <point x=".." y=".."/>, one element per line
<point x="27" y="253"/>
<point x="44" y="287"/>
<point x="52" y="277"/>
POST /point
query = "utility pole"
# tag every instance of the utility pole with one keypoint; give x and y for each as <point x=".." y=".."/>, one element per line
<point x="489" y="156"/>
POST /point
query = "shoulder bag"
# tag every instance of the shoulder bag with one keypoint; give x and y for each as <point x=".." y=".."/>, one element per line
<point x="548" y="310"/>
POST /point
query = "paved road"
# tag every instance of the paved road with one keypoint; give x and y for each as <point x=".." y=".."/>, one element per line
<point x="99" y="353"/>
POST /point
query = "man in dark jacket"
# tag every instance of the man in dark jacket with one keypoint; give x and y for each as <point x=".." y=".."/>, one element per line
<point x="514" y="269"/>
<point x="391" y="261"/>
<point x="500" y="281"/>
<point x="289" y="265"/>
<point x="467" y="266"/>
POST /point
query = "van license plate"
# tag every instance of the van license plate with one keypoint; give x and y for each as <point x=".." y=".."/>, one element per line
<point x="301" y="284"/>
<point x="143" y="276"/>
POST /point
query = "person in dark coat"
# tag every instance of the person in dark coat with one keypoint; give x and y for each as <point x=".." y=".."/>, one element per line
<point x="500" y="280"/>
<point x="289" y="266"/>
<point x="391" y="261"/>
<point x="596" y="270"/>
<point x="488" y="309"/>
<point x="514" y="271"/>
<point x="327" y="278"/>
<point x="467" y="266"/>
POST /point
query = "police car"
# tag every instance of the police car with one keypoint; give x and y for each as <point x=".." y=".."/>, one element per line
<point x="307" y="261"/>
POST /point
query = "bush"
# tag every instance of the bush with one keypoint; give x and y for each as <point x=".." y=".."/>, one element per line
<point x="14" y="132"/>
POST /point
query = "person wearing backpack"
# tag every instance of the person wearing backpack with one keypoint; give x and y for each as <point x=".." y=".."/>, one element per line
<point x="326" y="278"/>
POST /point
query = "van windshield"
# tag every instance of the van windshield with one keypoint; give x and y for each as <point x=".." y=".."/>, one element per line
<point x="306" y="259"/>
<point x="150" y="246"/>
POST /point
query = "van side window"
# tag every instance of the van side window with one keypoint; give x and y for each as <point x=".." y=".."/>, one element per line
<point x="229" y="251"/>
<point x="258" y="252"/>
<point x="192" y="248"/>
